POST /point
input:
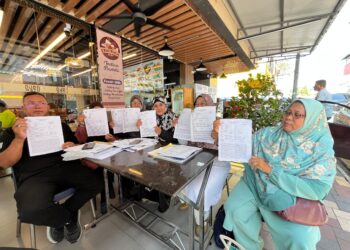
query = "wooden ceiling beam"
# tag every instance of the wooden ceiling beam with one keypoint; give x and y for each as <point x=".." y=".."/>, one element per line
<point x="179" y="41"/>
<point x="169" y="19"/>
<point x="165" y="10"/>
<point x="69" y="6"/>
<point x="9" y="8"/>
<point x="179" y="33"/>
<point x="85" y="7"/>
<point x="176" y="24"/>
<point x="115" y="11"/>
<point x="54" y="3"/>
<point x="22" y="20"/>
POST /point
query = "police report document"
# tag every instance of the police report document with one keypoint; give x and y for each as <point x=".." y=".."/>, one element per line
<point x="44" y="135"/>
<point x="183" y="126"/>
<point x="96" y="121"/>
<point x="125" y="120"/>
<point x="118" y="120"/>
<point x="202" y="124"/>
<point x="149" y="121"/>
<point x="235" y="140"/>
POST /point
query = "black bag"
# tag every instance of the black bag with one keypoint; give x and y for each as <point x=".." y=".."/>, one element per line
<point x="219" y="229"/>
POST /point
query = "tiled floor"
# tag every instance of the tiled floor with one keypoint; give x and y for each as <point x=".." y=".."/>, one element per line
<point x="116" y="232"/>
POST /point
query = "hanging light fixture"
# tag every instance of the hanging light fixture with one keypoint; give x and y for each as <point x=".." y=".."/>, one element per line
<point x="166" y="50"/>
<point x="223" y="76"/>
<point x="201" y="67"/>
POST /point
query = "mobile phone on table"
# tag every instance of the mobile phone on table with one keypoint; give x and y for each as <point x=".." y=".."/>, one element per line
<point x="89" y="145"/>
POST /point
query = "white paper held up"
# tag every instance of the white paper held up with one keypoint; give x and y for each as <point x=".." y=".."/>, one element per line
<point x="202" y="124"/>
<point x="131" y="116"/>
<point x="44" y="135"/>
<point x="149" y="121"/>
<point x="118" y="118"/>
<point x="235" y="140"/>
<point x="96" y="121"/>
<point x="183" y="126"/>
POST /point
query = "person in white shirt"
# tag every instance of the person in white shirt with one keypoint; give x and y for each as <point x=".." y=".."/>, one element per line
<point x="324" y="95"/>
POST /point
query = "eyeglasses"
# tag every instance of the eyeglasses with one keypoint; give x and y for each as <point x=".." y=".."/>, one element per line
<point x="33" y="104"/>
<point x="294" y="115"/>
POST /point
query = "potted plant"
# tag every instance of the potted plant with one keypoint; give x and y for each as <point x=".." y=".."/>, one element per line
<point x="258" y="100"/>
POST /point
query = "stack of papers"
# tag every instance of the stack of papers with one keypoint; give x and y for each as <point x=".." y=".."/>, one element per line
<point x="136" y="144"/>
<point x="175" y="153"/>
<point x="99" y="152"/>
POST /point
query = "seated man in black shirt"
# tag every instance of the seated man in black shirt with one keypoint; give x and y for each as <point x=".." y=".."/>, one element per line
<point x="39" y="178"/>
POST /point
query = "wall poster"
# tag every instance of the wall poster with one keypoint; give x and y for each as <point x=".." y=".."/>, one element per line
<point x="145" y="77"/>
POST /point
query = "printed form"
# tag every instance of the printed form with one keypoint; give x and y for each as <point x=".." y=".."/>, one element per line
<point x="202" y="124"/>
<point x="183" y="126"/>
<point x="149" y="121"/>
<point x="44" y="135"/>
<point x="235" y="140"/>
<point x="96" y="121"/>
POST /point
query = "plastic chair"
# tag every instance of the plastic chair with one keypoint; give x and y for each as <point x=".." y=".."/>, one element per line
<point x="228" y="242"/>
<point x="65" y="194"/>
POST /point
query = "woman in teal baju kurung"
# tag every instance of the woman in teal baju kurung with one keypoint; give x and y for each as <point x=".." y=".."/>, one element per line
<point x="295" y="159"/>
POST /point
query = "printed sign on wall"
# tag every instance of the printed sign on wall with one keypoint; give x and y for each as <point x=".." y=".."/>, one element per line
<point x="110" y="69"/>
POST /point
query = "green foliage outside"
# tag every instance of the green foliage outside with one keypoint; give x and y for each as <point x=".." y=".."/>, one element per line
<point x="258" y="100"/>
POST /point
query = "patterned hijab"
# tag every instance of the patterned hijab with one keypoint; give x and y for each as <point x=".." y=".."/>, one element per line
<point x="306" y="152"/>
<point x="164" y="121"/>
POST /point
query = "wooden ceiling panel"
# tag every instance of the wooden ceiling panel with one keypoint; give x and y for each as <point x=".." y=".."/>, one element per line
<point x="115" y="11"/>
<point x="88" y="5"/>
<point x="191" y="38"/>
<point x="70" y="5"/>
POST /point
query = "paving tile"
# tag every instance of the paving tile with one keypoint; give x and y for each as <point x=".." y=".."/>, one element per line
<point x="330" y="197"/>
<point x="333" y="222"/>
<point x="340" y="234"/>
<point x="328" y="244"/>
<point x="344" y="206"/>
<point x="330" y="212"/>
<point x="327" y="232"/>
<point x="342" y="181"/>
<point x="344" y="245"/>
<point x="344" y="223"/>
<point x="341" y="190"/>
<point x="331" y="204"/>
<point x="342" y="214"/>
<point x="341" y="199"/>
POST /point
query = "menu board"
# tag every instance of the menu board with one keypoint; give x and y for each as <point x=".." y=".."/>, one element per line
<point x="145" y="77"/>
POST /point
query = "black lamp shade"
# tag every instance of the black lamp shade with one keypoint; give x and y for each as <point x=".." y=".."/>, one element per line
<point x="201" y="67"/>
<point x="166" y="50"/>
<point x="223" y="76"/>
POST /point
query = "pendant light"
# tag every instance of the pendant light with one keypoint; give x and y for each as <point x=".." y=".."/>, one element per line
<point x="201" y="67"/>
<point x="166" y="50"/>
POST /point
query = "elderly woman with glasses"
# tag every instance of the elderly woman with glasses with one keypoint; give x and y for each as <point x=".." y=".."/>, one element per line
<point x="290" y="161"/>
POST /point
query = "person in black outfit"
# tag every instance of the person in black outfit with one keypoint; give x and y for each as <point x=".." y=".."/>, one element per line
<point x="165" y="128"/>
<point x="39" y="178"/>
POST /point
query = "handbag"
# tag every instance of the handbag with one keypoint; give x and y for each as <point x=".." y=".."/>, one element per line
<point x="306" y="212"/>
<point x="219" y="228"/>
